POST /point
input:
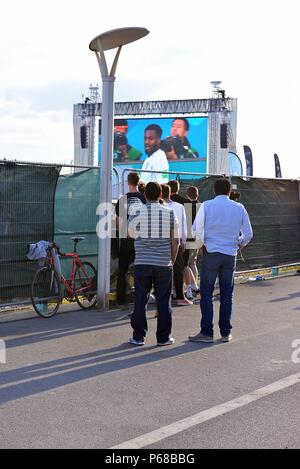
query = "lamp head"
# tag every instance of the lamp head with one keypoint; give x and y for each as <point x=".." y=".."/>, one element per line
<point x="117" y="37"/>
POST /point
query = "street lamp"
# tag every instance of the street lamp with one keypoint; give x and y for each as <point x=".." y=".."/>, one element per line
<point x="106" y="41"/>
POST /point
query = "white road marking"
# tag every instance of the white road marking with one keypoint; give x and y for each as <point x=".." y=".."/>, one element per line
<point x="185" y="424"/>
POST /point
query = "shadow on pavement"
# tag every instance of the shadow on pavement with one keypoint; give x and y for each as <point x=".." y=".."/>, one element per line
<point x="290" y="296"/>
<point x="57" y="373"/>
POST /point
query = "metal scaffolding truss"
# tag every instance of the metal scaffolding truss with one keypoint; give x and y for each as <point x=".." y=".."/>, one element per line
<point x="143" y="108"/>
<point x="219" y="110"/>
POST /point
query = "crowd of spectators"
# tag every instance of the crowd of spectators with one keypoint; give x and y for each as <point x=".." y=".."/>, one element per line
<point x="166" y="235"/>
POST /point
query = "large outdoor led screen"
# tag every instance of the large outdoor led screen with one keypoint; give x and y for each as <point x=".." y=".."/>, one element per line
<point x="160" y="144"/>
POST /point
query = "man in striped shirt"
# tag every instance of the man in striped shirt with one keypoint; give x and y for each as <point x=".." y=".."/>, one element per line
<point x="155" y="230"/>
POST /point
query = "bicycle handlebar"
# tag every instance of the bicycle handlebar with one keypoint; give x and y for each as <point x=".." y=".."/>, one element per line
<point x="63" y="254"/>
<point x="55" y="246"/>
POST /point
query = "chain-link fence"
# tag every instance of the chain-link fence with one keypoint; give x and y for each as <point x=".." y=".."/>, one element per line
<point x="27" y="194"/>
<point x="56" y="203"/>
<point x="274" y="210"/>
<point x="43" y="202"/>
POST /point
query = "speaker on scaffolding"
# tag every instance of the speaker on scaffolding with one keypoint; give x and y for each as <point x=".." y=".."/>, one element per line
<point x="84" y="136"/>
<point x="224" y="136"/>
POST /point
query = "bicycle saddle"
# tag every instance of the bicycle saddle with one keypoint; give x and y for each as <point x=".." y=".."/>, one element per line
<point x="78" y="239"/>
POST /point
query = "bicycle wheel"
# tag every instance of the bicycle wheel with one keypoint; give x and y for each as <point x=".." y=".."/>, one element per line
<point x="86" y="285"/>
<point x="45" y="292"/>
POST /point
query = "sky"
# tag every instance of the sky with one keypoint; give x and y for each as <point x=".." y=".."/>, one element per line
<point x="252" y="47"/>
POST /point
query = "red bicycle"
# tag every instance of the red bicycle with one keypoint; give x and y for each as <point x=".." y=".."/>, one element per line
<point x="48" y="284"/>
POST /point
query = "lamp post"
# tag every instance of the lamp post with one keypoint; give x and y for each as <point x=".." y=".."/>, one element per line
<point x="107" y="41"/>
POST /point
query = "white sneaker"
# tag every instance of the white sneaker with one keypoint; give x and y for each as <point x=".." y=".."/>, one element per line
<point x="136" y="342"/>
<point x="226" y="338"/>
<point x="170" y="341"/>
<point x="184" y="302"/>
<point x="189" y="294"/>
<point x="152" y="299"/>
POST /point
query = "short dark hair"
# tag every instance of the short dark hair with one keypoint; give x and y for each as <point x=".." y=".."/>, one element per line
<point x="235" y="195"/>
<point x="186" y="122"/>
<point x="222" y="186"/>
<point x="166" y="191"/>
<point x="174" y="186"/>
<point x="156" y="128"/>
<point x="153" y="191"/>
<point x="192" y="192"/>
<point x="133" y="179"/>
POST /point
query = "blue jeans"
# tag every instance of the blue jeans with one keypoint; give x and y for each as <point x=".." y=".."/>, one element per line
<point x="217" y="265"/>
<point x="161" y="278"/>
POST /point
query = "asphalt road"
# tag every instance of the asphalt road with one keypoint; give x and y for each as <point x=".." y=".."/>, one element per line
<point x="73" y="381"/>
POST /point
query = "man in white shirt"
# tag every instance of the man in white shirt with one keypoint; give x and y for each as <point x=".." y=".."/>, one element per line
<point x="178" y="268"/>
<point x="223" y="226"/>
<point x="156" y="158"/>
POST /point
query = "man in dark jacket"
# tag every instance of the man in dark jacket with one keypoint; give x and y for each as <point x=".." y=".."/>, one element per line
<point x="175" y="186"/>
<point x="126" y="253"/>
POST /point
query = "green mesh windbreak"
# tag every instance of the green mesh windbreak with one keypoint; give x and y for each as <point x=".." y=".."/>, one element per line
<point x="76" y="202"/>
<point x="27" y="195"/>
<point x="274" y="210"/>
<point x="26" y="216"/>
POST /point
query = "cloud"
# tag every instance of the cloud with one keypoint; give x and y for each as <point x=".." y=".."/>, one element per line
<point x="51" y="97"/>
<point x="27" y="134"/>
<point x="45" y="66"/>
